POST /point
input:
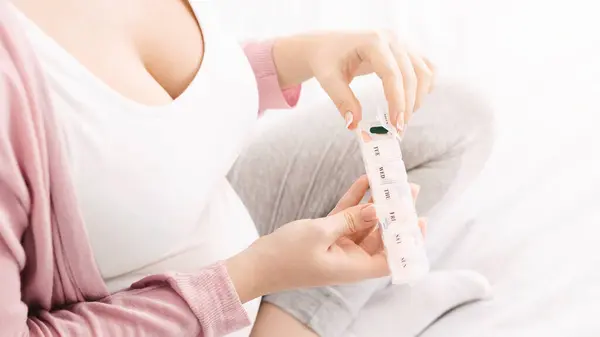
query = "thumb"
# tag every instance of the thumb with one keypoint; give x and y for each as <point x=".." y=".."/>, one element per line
<point x="350" y="221"/>
<point x="338" y="89"/>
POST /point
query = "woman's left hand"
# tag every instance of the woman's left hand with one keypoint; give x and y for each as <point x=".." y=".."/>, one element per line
<point x="335" y="58"/>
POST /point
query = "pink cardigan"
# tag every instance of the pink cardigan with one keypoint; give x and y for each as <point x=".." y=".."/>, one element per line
<point x="49" y="283"/>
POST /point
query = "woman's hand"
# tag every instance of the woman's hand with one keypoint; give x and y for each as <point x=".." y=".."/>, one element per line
<point x="343" y="247"/>
<point x="336" y="58"/>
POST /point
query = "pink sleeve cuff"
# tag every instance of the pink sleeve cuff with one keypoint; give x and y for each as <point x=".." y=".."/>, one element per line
<point x="271" y="96"/>
<point x="211" y="296"/>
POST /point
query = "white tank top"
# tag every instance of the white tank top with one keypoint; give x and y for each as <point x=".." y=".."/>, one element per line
<point x="150" y="180"/>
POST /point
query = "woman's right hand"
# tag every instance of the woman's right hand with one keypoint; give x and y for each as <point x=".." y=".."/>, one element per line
<point x="343" y="247"/>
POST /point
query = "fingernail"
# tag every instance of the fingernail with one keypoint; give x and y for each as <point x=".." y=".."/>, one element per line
<point x="400" y="122"/>
<point x="400" y="125"/>
<point x="399" y="129"/>
<point x="423" y="227"/>
<point x="365" y="136"/>
<point x="368" y="213"/>
<point x="349" y="118"/>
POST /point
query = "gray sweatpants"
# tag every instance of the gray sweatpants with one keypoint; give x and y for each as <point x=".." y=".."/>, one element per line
<point x="302" y="163"/>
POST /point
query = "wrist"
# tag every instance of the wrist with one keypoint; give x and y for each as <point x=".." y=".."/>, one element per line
<point x="291" y="60"/>
<point x="246" y="271"/>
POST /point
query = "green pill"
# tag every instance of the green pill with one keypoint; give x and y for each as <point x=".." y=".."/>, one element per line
<point x="378" y="130"/>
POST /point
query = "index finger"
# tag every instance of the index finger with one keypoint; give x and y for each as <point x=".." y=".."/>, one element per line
<point x="384" y="64"/>
<point x="414" y="191"/>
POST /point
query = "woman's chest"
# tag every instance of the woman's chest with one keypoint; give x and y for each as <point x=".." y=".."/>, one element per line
<point x="146" y="51"/>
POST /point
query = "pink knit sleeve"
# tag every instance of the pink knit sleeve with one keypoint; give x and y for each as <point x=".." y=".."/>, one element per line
<point x="271" y="96"/>
<point x="200" y="304"/>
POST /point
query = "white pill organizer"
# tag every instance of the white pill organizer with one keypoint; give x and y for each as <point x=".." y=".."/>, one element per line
<point x="392" y="197"/>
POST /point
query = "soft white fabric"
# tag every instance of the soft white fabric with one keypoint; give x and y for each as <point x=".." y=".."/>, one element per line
<point x="404" y="311"/>
<point x="535" y="240"/>
<point x="150" y="180"/>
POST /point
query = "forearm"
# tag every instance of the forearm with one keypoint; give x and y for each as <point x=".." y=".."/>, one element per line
<point x="291" y="61"/>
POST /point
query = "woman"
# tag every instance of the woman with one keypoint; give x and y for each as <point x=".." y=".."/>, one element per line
<point x="116" y="217"/>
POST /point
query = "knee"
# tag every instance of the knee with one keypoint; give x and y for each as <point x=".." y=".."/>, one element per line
<point x="465" y="111"/>
<point x="470" y="108"/>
